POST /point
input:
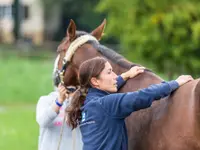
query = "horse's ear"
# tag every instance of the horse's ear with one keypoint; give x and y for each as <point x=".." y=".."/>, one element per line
<point x="98" y="32"/>
<point x="71" y="30"/>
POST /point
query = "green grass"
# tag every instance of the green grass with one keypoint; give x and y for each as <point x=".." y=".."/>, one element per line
<point x="23" y="80"/>
<point x="18" y="128"/>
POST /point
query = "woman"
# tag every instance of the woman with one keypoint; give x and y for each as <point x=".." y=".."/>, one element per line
<point x="50" y="114"/>
<point x="102" y="114"/>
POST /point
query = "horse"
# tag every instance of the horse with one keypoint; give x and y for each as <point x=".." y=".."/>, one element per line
<point x="173" y="123"/>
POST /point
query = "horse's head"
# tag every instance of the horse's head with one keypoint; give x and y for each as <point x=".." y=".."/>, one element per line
<point x="79" y="46"/>
<point x="83" y="50"/>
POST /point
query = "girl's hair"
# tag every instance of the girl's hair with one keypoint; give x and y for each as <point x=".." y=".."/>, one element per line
<point x="88" y="69"/>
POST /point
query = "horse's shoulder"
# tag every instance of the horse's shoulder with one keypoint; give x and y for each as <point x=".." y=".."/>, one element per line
<point x="192" y="87"/>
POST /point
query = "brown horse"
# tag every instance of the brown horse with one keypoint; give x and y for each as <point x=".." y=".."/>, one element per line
<point x="172" y="123"/>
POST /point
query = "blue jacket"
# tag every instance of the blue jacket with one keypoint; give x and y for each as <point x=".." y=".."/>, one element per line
<point x="102" y="124"/>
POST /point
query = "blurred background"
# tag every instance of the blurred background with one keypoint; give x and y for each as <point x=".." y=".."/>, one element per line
<point x="161" y="35"/>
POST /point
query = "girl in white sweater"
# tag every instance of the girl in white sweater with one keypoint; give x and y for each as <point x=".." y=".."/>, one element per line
<point x="49" y="115"/>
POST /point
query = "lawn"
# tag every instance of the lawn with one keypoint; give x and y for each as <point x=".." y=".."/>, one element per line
<point x="23" y="79"/>
<point x="18" y="128"/>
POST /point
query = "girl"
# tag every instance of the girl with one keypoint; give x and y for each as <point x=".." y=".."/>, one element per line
<point x="49" y="116"/>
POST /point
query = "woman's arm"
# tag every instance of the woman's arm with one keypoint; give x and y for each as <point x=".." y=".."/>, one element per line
<point x="123" y="104"/>
<point x="45" y="113"/>
<point x="134" y="71"/>
<point x="48" y="106"/>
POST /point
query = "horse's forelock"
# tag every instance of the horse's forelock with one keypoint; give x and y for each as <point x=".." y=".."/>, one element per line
<point x="80" y="33"/>
<point x="64" y="40"/>
<point x="62" y="43"/>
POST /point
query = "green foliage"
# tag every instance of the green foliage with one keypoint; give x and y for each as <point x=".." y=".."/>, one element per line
<point x="85" y="16"/>
<point x="81" y="11"/>
<point x="166" y="32"/>
<point x="22" y="81"/>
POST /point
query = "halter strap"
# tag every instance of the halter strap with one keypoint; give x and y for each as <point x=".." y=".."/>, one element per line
<point x="68" y="56"/>
<point x="77" y="43"/>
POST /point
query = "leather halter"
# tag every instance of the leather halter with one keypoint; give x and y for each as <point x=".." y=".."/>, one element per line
<point x="68" y="56"/>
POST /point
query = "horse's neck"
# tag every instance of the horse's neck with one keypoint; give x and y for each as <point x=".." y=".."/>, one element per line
<point x="140" y="81"/>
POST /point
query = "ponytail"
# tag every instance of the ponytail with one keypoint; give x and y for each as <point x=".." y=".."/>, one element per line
<point x="74" y="109"/>
<point x="88" y="69"/>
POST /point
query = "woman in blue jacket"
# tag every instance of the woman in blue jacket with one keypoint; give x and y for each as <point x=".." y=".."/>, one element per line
<point x="101" y="115"/>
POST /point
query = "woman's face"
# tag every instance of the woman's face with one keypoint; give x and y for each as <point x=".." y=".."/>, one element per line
<point x="107" y="79"/>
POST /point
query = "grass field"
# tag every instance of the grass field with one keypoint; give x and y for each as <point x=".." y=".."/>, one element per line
<point x="22" y="81"/>
<point x="18" y="129"/>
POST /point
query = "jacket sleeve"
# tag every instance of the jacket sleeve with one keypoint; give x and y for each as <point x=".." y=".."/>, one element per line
<point x="44" y="111"/>
<point x="121" y="105"/>
<point x="120" y="82"/>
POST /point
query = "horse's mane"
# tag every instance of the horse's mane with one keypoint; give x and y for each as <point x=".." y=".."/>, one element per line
<point x="112" y="55"/>
<point x="109" y="53"/>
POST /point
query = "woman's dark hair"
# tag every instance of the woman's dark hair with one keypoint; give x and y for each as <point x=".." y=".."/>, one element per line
<point x="88" y="69"/>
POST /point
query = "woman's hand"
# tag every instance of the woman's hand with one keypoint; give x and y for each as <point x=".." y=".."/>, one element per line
<point x="62" y="93"/>
<point x="184" y="79"/>
<point x="134" y="71"/>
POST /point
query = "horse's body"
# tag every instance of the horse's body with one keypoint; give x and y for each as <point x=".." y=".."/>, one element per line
<point x="172" y="123"/>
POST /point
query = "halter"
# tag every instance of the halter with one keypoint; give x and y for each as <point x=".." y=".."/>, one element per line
<point x="69" y="54"/>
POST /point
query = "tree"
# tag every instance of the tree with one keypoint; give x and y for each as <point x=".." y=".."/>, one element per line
<point x="166" y="32"/>
<point x="17" y="19"/>
<point x="81" y="11"/>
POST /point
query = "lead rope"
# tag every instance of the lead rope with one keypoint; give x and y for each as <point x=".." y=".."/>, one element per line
<point x="61" y="131"/>
<point x="61" y="74"/>
<point x="61" y="134"/>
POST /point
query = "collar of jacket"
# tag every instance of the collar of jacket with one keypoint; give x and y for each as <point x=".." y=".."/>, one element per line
<point x="94" y="93"/>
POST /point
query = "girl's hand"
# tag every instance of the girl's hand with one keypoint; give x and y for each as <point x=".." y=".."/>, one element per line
<point x="184" y="79"/>
<point x="134" y="71"/>
<point x="62" y="93"/>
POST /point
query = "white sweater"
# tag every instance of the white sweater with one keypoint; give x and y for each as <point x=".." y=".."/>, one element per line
<point x="50" y="125"/>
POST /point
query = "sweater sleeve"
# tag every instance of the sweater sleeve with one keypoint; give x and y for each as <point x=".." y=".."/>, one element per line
<point x="121" y="105"/>
<point x="44" y="111"/>
<point x="120" y="82"/>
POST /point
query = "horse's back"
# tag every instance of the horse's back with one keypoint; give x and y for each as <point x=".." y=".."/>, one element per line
<point x="172" y="123"/>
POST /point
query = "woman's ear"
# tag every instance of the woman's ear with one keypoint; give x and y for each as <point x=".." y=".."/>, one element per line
<point x="94" y="82"/>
